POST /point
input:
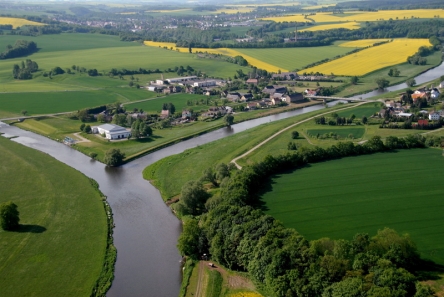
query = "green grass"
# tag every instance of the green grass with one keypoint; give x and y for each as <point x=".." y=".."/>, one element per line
<point x="342" y="131"/>
<point x="339" y="198"/>
<point x="53" y="102"/>
<point x="179" y="101"/>
<point x="214" y="285"/>
<point x="294" y="58"/>
<point x="60" y="248"/>
<point x="360" y="111"/>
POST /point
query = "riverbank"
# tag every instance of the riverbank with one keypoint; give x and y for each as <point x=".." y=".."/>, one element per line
<point x="63" y="239"/>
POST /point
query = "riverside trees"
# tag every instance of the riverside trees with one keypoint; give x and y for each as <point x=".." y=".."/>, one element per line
<point x="237" y="234"/>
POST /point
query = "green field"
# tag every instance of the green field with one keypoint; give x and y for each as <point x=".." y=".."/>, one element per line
<point x="53" y="102"/>
<point x="106" y="52"/>
<point x="360" y="111"/>
<point x="294" y="58"/>
<point x="343" y="132"/>
<point x="340" y="198"/>
<point x="60" y="247"/>
<point x="179" y="101"/>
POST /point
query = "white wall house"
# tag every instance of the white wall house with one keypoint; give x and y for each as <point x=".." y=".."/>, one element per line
<point x="112" y="131"/>
<point x="434" y="116"/>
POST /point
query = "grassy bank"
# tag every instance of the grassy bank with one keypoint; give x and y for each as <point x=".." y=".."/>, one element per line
<point x="339" y="198"/>
<point x="61" y="245"/>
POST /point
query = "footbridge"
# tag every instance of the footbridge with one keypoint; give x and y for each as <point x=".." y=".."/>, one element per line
<point x="325" y="98"/>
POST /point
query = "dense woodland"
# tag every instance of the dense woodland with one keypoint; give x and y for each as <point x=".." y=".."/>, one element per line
<point x="234" y="231"/>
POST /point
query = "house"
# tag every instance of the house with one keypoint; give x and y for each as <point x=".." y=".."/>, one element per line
<point x="207" y="83"/>
<point x="186" y="114"/>
<point x="252" y="81"/>
<point x="276" y="95"/>
<point x="246" y="97"/>
<point x="276" y="101"/>
<point x="164" y="114"/>
<point x="234" y="96"/>
<point x="434" y="93"/>
<point x="251" y="105"/>
<point x="152" y="88"/>
<point x="441" y="85"/>
<point x="404" y="114"/>
<point x="172" y="89"/>
<point x="262" y="104"/>
<point x="293" y="98"/>
<point x="215" y="111"/>
<point x="434" y="116"/>
<point x="310" y="92"/>
<point x="112" y="131"/>
<point x="274" y="89"/>
<point x="285" y="75"/>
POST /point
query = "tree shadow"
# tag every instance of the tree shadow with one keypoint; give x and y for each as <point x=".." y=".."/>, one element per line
<point x="267" y="187"/>
<point x="429" y="270"/>
<point x="30" y="229"/>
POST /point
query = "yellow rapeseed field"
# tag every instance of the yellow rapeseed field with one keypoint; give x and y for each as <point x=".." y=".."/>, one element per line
<point x="361" y="42"/>
<point x="371" y="59"/>
<point x="16" y="22"/>
<point x="245" y="294"/>
<point x="222" y="51"/>
<point x="347" y="25"/>
<point x="359" y="16"/>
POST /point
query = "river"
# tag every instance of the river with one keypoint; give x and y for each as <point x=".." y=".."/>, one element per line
<point x="146" y="231"/>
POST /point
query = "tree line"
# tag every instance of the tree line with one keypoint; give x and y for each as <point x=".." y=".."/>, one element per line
<point x="234" y="231"/>
<point x="19" y="49"/>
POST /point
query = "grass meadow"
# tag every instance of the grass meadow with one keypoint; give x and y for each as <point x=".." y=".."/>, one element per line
<point x="179" y="101"/>
<point x="337" y="199"/>
<point x="54" y="102"/>
<point x="60" y="247"/>
<point x="343" y="133"/>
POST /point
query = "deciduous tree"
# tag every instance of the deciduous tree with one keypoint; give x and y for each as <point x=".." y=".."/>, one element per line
<point x="9" y="216"/>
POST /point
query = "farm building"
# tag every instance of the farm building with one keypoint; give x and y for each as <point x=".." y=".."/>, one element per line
<point x="112" y="131"/>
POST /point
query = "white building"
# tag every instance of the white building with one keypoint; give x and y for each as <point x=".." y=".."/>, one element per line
<point x="112" y="131"/>
<point x="181" y="79"/>
<point x="434" y="116"/>
<point x="207" y="83"/>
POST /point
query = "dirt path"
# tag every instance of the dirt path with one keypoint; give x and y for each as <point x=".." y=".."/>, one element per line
<point x="82" y="139"/>
<point x="200" y="279"/>
<point x="283" y="130"/>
